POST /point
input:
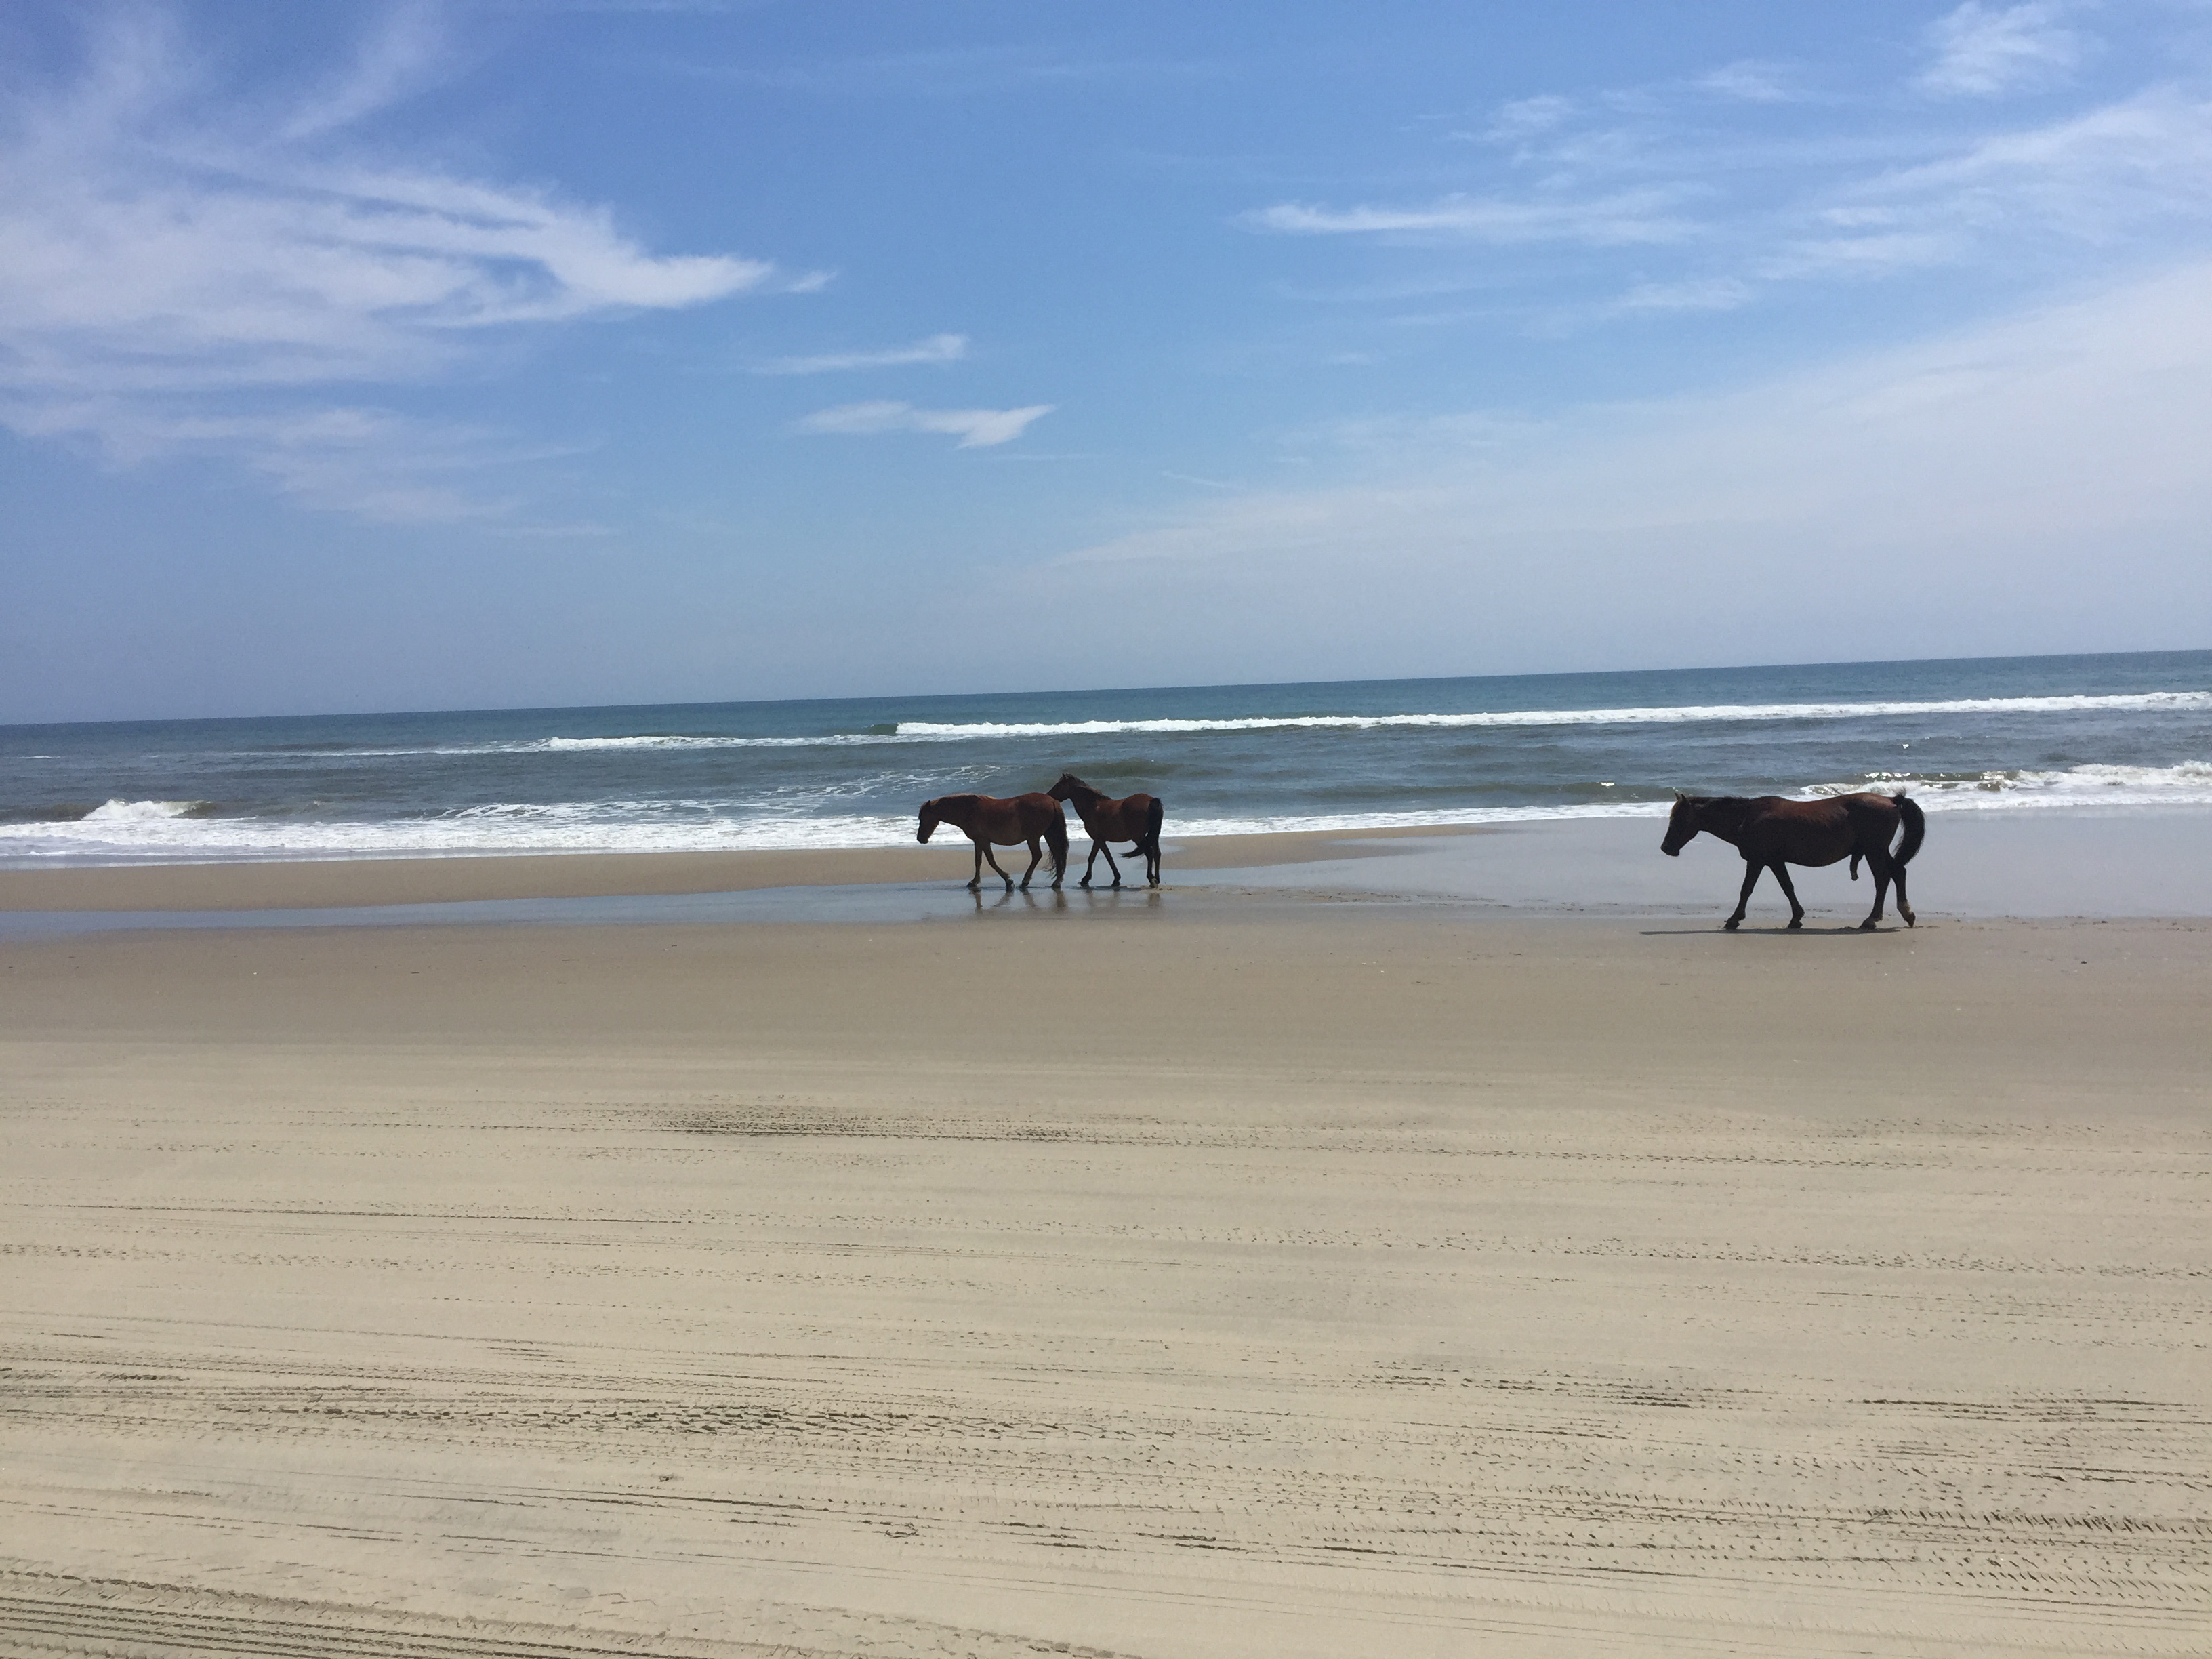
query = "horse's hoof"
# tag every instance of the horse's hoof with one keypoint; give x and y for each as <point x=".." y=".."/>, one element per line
<point x="1730" y="925"/>
<point x="1868" y="926"/>
<point x="1908" y="921"/>
<point x="1795" y="922"/>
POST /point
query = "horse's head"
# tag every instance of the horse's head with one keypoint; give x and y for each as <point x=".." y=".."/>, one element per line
<point x="928" y="825"/>
<point x="1065" y="788"/>
<point x="1682" y="825"/>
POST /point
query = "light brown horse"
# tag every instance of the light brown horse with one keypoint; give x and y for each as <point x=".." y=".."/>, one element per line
<point x="1771" y="832"/>
<point x="1132" y="819"/>
<point x="989" y="821"/>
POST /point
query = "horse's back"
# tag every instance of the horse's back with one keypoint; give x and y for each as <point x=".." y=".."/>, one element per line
<point x="1012" y="819"/>
<point x="1820" y="832"/>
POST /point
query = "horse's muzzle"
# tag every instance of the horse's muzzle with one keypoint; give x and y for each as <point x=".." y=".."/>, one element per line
<point x="1672" y="852"/>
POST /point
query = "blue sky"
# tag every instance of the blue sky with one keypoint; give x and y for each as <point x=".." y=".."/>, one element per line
<point x="365" y="357"/>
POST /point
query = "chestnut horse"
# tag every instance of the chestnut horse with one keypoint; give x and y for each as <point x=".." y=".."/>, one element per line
<point x="1134" y="817"/>
<point x="1771" y="832"/>
<point x="990" y="822"/>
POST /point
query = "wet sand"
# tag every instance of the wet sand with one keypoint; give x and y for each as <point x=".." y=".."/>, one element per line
<point x="1232" y="1270"/>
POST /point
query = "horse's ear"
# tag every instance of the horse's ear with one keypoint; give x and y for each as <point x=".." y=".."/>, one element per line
<point x="1678" y="795"/>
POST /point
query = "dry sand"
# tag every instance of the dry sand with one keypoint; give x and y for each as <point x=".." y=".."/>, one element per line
<point x="1196" y="1273"/>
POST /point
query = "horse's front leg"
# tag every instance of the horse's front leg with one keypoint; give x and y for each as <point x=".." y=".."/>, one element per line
<point x="1751" y="869"/>
<point x="1036" y="852"/>
<point x="1100" y="847"/>
<point x="985" y="849"/>
<point x="1789" y="892"/>
<point x="1087" y="863"/>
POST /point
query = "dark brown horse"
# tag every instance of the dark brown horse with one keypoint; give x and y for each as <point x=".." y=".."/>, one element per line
<point x="990" y="822"/>
<point x="1132" y="819"/>
<point x="1771" y="832"/>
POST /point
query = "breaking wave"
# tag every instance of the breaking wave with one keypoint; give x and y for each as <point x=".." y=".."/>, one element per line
<point x="1673" y="714"/>
<point x="146" y="812"/>
<point x="190" y="831"/>
<point x="935" y="731"/>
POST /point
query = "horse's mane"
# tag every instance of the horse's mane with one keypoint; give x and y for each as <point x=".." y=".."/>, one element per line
<point x="1727" y="807"/>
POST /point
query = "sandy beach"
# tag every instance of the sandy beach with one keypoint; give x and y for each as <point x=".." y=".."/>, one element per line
<point x="1428" y="1245"/>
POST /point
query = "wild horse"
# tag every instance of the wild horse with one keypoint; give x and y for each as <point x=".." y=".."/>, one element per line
<point x="989" y="821"/>
<point x="1132" y="819"/>
<point x="1771" y="832"/>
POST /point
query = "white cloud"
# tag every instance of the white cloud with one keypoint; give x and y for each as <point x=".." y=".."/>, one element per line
<point x="164" y="251"/>
<point x="1982" y="52"/>
<point x="1629" y="216"/>
<point x="976" y="428"/>
<point x="937" y="348"/>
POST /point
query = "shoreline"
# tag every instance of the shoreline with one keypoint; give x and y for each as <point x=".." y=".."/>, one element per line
<point x="2085" y="862"/>
<point x="437" y="878"/>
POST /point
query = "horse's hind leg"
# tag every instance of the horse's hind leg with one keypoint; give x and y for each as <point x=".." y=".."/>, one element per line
<point x="1743" y="899"/>
<point x="1897" y="875"/>
<point x="1789" y="892"/>
<point x="975" y="881"/>
<point x="1037" y="853"/>
<point x="1883" y="870"/>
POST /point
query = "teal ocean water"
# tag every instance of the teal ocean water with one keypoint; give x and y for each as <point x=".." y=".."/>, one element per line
<point x="2128" y="732"/>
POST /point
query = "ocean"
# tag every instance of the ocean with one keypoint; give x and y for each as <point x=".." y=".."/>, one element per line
<point x="2130" y="732"/>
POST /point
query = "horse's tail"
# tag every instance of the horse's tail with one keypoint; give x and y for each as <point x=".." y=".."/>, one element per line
<point x="1055" y="837"/>
<point x="1915" y="829"/>
<point x="1152" y="825"/>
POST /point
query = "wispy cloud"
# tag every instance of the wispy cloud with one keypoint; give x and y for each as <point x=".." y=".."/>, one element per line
<point x="944" y="72"/>
<point x="1752" y="83"/>
<point x="1983" y="52"/>
<point x="1696" y="293"/>
<point x="2062" y="446"/>
<point x="405" y="52"/>
<point x="937" y="348"/>
<point x="165" y="251"/>
<point x="976" y="428"/>
<point x="1522" y="119"/>
<point x="2147" y="158"/>
<point x="1726" y="205"/>
<point x="1642" y="215"/>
